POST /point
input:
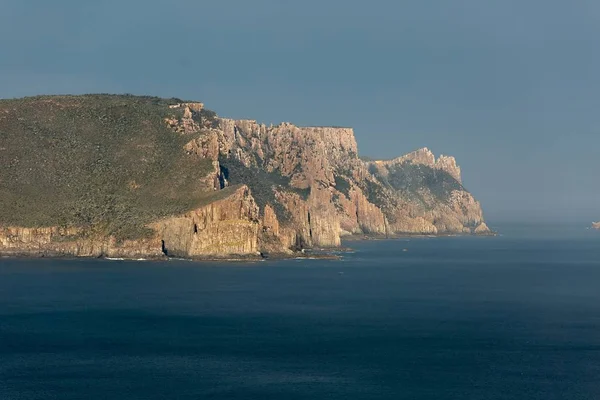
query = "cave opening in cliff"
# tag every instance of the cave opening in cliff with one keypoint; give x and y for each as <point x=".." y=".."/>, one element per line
<point x="163" y="248"/>
<point x="195" y="228"/>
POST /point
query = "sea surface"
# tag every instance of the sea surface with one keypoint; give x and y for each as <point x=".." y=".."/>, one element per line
<point x="510" y="317"/>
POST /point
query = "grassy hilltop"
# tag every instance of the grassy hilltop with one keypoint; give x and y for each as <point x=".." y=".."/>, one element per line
<point x="105" y="162"/>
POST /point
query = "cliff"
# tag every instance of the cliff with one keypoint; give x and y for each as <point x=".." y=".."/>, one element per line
<point x="412" y="194"/>
<point x="224" y="227"/>
<point x="141" y="177"/>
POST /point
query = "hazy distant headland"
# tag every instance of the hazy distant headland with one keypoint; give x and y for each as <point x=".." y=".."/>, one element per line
<point x="145" y="177"/>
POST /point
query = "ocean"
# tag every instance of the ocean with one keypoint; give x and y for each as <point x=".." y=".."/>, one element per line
<point x="510" y="317"/>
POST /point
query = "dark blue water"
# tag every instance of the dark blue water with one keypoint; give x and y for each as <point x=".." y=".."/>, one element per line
<point x="511" y="317"/>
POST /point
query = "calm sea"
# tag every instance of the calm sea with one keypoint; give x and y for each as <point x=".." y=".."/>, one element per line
<point x="509" y="317"/>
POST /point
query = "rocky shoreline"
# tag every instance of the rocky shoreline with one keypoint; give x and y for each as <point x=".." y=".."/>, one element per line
<point x="333" y="253"/>
<point x="356" y="238"/>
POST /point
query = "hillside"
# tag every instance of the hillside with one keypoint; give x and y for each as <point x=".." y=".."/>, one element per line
<point x="107" y="163"/>
<point x="141" y="176"/>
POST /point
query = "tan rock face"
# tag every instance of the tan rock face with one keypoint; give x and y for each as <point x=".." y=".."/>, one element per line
<point x="270" y="221"/>
<point x="188" y="123"/>
<point x="57" y="241"/>
<point x="369" y="217"/>
<point x="323" y="221"/>
<point x="313" y="222"/>
<point x="308" y="157"/>
<point x="482" y="228"/>
<point x="413" y="225"/>
<point x="225" y="227"/>
<point x="305" y="154"/>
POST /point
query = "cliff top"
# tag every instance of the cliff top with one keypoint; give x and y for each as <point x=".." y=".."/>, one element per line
<point x="92" y="160"/>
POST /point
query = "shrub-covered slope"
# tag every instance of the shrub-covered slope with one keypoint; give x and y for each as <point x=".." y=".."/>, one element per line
<point x="103" y="162"/>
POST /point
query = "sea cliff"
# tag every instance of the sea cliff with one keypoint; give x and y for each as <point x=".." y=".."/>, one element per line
<point x="141" y="177"/>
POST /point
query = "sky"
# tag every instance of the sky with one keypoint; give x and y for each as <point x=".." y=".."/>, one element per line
<point x="511" y="88"/>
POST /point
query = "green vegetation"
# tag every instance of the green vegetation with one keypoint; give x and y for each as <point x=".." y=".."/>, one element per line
<point x="210" y="117"/>
<point x="303" y="193"/>
<point x="410" y="178"/>
<point x="103" y="162"/>
<point x="262" y="184"/>
<point x="342" y="185"/>
<point x="375" y="193"/>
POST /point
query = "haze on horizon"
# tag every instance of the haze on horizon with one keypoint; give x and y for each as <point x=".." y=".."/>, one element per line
<point x="511" y="88"/>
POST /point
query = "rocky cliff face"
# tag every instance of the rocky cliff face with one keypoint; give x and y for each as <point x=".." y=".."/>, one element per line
<point x="226" y="227"/>
<point x="276" y="189"/>
<point x="59" y="241"/>
<point x="229" y="226"/>
<point x="412" y="194"/>
<point x="430" y="194"/>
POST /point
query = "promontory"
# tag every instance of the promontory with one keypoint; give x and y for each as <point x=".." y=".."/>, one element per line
<point x="145" y="177"/>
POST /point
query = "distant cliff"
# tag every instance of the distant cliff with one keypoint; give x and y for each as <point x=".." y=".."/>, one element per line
<point x="137" y="177"/>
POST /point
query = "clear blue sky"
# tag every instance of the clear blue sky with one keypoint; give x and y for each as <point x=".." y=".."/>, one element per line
<point x="509" y="87"/>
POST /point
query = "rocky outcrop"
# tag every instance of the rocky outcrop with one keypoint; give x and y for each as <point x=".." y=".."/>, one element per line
<point x="428" y="195"/>
<point x="482" y="229"/>
<point x="425" y="157"/>
<point x="189" y="121"/>
<point x="228" y="226"/>
<point x="596" y="225"/>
